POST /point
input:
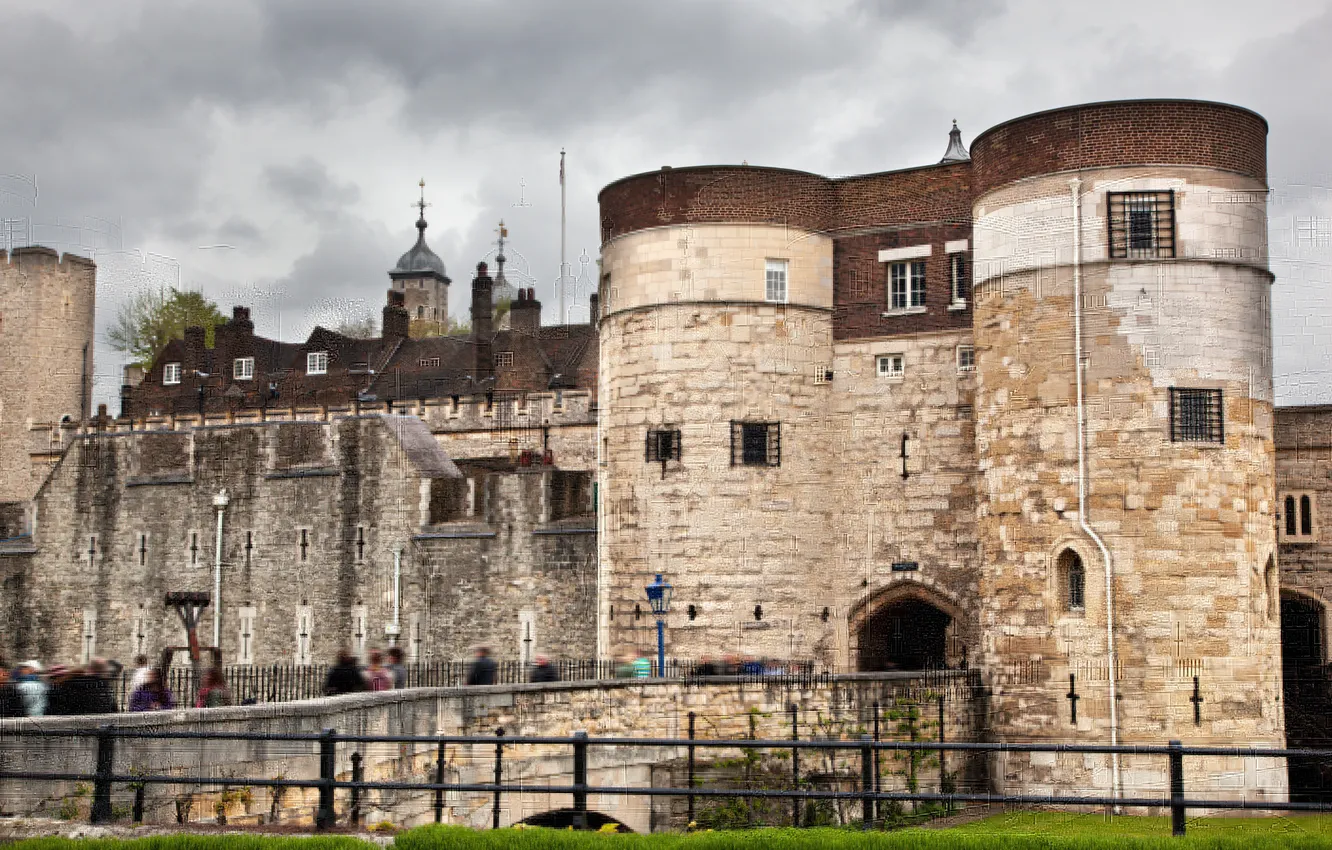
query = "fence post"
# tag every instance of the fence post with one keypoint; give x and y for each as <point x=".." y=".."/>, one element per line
<point x="943" y="771"/>
<point x="499" y="777"/>
<point x="690" y="783"/>
<point x="795" y="765"/>
<point x="357" y="776"/>
<point x="877" y="781"/>
<point x="106" y="757"/>
<point x="324" y="815"/>
<point x="1176" y="789"/>
<point x="580" y="780"/>
<point x="439" y="780"/>
<point x="867" y="780"/>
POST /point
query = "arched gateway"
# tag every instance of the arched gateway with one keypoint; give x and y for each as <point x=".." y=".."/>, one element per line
<point x="906" y="626"/>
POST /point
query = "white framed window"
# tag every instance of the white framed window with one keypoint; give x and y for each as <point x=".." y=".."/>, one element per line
<point x="316" y="363"/>
<point x="242" y="369"/>
<point x="957" y="274"/>
<point x="171" y="373"/>
<point x="891" y="365"/>
<point x="966" y="358"/>
<point x="559" y="400"/>
<point x="776" y="281"/>
<point x="504" y="360"/>
<point x="907" y="285"/>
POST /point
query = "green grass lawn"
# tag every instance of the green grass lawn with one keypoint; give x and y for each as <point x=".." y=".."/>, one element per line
<point x="1015" y="831"/>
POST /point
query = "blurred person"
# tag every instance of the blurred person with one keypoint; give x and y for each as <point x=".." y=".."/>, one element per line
<point x="152" y="695"/>
<point x="642" y="668"/>
<point x="376" y="677"/>
<point x="11" y="703"/>
<point x="141" y="671"/>
<point x="482" y="671"/>
<point x="544" y="671"/>
<point x="345" y="677"/>
<point x="214" y="692"/>
<point x="397" y="667"/>
<point x="32" y="688"/>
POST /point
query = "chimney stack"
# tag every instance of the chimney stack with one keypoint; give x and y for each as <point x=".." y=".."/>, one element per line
<point x="194" y="348"/>
<point x="483" y="326"/>
<point x="593" y="314"/>
<point x="396" y="318"/>
<point x="525" y="313"/>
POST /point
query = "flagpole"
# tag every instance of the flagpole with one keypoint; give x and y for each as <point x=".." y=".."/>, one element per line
<point x="562" y="319"/>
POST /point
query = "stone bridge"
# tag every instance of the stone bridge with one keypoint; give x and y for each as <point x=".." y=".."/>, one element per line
<point x="726" y="707"/>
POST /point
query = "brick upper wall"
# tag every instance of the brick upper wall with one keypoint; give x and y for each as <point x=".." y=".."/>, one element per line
<point x="1159" y="132"/>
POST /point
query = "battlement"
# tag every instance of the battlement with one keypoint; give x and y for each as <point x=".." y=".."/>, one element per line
<point x="41" y="255"/>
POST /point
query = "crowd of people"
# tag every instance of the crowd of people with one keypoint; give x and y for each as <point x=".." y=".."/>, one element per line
<point x="31" y="690"/>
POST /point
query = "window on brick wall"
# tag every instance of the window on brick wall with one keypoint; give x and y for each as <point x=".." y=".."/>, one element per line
<point x="662" y="446"/>
<point x="756" y="443"/>
<point x="957" y="277"/>
<point x="1142" y="224"/>
<point x="242" y="369"/>
<point x="907" y="285"/>
<point x="1298" y="518"/>
<point x="171" y="373"/>
<point x="504" y="360"/>
<point x="775" y="281"/>
<point x="316" y="363"/>
<point x="1196" y="416"/>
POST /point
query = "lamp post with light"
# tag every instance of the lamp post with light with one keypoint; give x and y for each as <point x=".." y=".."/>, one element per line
<point x="659" y="597"/>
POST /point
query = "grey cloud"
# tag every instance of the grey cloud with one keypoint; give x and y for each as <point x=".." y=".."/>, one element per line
<point x="308" y="186"/>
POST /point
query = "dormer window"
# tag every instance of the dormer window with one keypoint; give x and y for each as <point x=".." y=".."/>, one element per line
<point x="316" y="363"/>
<point x="171" y="373"/>
<point x="242" y="369"/>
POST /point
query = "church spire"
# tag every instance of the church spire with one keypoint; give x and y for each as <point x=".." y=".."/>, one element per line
<point x="956" y="151"/>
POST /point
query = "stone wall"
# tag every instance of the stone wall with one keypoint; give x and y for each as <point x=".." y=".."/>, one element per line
<point x="725" y="708"/>
<point x="46" y="330"/>
<point x="316" y="512"/>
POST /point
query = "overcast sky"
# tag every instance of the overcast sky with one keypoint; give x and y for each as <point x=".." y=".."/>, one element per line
<point x="146" y="134"/>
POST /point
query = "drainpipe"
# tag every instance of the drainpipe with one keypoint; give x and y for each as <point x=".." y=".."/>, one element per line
<point x="1078" y="366"/>
<point x="395" y="628"/>
<point x="220" y="501"/>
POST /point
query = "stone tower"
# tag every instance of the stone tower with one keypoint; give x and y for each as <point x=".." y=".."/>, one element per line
<point x="46" y="359"/>
<point x="1126" y="518"/>
<point x="419" y="276"/>
<point x="713" y="316"/>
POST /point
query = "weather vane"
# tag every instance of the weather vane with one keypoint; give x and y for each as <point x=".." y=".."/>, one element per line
<point x="422" y="204"/>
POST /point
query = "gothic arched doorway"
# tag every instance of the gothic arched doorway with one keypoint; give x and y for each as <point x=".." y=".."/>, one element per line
<point x="907" y="627"/>
<point x="1307" y="695"/>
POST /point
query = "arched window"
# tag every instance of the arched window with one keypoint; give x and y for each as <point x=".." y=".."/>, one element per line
<point x="1072" y="580"/>
<point x="1306" y="516"/>
<point x="1290" y="516"/>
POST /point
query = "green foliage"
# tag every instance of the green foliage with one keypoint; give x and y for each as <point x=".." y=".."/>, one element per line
<point x="152" y="318"/>
<point x="365" y="327"/>
<point x="69" y="809"/>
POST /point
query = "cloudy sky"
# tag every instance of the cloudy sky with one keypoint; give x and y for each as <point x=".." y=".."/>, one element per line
<point x="293" y="134"/>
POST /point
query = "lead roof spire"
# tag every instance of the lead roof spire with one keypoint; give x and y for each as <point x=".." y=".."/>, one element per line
<point x="420" y="259"/>
<point x="956" y="151"/>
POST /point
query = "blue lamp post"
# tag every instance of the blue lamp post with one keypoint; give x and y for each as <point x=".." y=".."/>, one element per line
<point x="659" y="597"/>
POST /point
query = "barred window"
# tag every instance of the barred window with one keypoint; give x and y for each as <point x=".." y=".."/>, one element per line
<point x="907" y="287"/>
<point x="1196" y="416"/>
<point x="1142" y="224"/>
<point x="1072" y="580"/>
<point x="662" y="446"/>
<point x="756" y="443"/>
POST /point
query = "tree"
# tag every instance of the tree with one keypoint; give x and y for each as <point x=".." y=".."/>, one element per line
<point x="152" y="318"/>
<point x="365" y="327"/>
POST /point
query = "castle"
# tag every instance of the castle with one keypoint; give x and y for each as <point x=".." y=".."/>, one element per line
<point x="1012" y="411"/>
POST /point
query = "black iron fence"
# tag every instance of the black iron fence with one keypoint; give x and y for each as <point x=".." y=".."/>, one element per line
<point x="250" y="684"/>
<point x="863" y="755"/>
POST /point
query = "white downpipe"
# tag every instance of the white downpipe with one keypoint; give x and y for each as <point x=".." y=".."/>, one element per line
<point x="1078" y="367"/>
<point x="217" y="577"/>
<point x="397" y="596"/>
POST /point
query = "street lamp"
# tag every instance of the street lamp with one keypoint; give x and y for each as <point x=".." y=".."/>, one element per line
<point x="659" y="597"/>
<point x="220" y="501"/>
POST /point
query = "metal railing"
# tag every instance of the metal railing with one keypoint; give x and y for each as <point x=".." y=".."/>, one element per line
<point x="103" y="775"/>
<point x="251" y="684"/>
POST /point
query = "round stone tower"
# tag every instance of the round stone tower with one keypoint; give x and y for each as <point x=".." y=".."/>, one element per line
<point x="1128" y="586"/>
<point x="47" y="307"/>
<point x="716" y="303"/>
